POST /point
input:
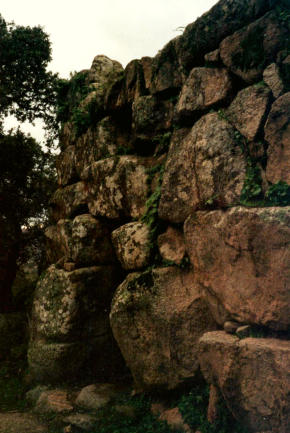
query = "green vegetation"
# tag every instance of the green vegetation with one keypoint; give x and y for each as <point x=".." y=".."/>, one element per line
<point x="162" y="143"/>
<point x="193" y="407"/>
<point x="27" y="89"/>
<point x="252" y="189"/>
<point x="111" y="421"/>
<point x="278" y="194"/>
<point x="70" y="93"/>
<point x="27" y="179"/>
<point x="150" y="218"/>
<point x="252" y="193"/>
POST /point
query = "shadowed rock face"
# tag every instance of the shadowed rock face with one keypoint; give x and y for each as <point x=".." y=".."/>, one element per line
<point x="70" y="323"/>
<point x="68" y="201"/>
<point x="241" y="258"/>
<point x="84" y="241"/>
<point x="253" y="377"/>
<point x="157" y="319"/>
<point x="277" y="134"/>
<point x="250" y="49"/>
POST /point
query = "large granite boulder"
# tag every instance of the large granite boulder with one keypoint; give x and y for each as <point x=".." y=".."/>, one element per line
<point x="205" y="167"/>
<point x="150" y="115"/>
<point x="101" y="141"/>
<point x="157" y="318"/>
<point x="69" y="201"/>
<point x="272" y="76"/>
<point x="71" y="305"/>
<point x="55" y="362"/>
<point x="277" y="134"/>
<point x="252" y="375"/>
<point x="241" y="259"/>
<point x="132" y="245"/>
<point x="171" y="245"/>
<point x="249" y="110"/>
<point x="84" y="241"/>
<point x="250" y="49"/>
<point x="205" y="34"/>
<point x="203" y="88"/>
<point x="166" y="74"/>
<point x="103" y="74"/>
<point x="117" y="186"/>
<point x="133" y="84"/>
<point x="70" y="325"/>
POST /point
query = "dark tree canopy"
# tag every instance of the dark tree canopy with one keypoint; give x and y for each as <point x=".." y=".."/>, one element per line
<point x="27" y="176"/>
<point x="27" y="89"/>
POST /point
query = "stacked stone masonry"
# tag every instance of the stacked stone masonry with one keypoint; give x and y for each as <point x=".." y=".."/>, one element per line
<point x="171" y="220"/>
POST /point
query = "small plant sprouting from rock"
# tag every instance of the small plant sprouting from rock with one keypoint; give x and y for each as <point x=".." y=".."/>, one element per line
<point x="162" y="143"/>
<point x="252" y="189"/>
<point x="150" y="217"/>
<point x="279" y="194"/>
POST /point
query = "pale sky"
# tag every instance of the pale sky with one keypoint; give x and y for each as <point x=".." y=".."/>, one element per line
<point x="121" y="29"/>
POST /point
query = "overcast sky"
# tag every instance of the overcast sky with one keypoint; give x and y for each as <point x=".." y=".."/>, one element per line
<point x="121" y="29"/>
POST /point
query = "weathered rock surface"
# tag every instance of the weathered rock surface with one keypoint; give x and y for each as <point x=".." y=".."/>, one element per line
<point x="174" y="419"/>
<point x="84" y="241"/>
<point x="277" y="134"/>
<point x="249" y="50"/>
<point x="253" y="377"/>
<point x="69" y="201"/>
<point x="171" y="245"/>
<point x="55" y="362"/>
<point x="54" y="401"/>
<point x="104" y="73"/>
<point x="157" y="319"/>
<point x="212" y="57"/>
<point x="211" y="28"/>
<point x="166" y="73"/>
<point x="117" y="186"/>
<point x="203" y="88"/>
<point x="95" y="396"/>
<point x="204" y="168"/>
<point x="82" y="421"/>
<point x="272" y="77"/>
<point x="102" y="141"/>
<point x="65" y="166"/>
<point x="132" y="245"/>
<point x="68" y="305"/>
<point x="104" y="70"/>
<point x="241" y="259"/>
<point x="133" y="85"/>
<point x="56" y="241"/>
<point x="150" y="116"/>
<point x="248" y="110"/>
<point x="67" y="135"/>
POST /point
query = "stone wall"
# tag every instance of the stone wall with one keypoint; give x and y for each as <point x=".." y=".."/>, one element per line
<point x="171" y="224"/>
